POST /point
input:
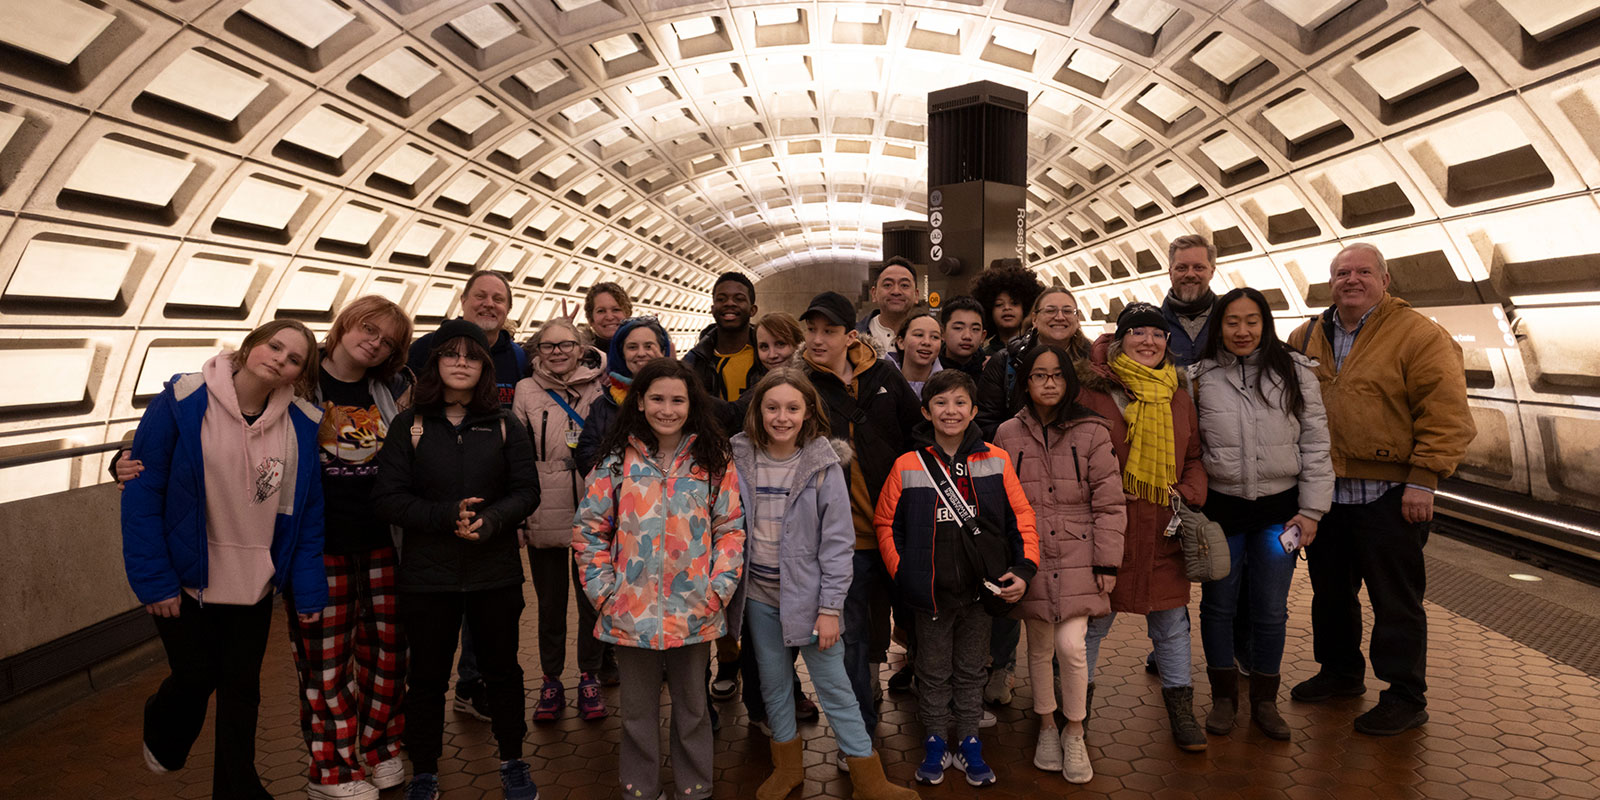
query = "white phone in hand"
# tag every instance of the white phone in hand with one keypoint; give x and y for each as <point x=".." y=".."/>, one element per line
<point x="992" y="587"/>
<point x="1290" y="538"/>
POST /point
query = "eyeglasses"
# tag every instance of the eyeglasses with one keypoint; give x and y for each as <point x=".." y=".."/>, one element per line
<point x="551" y="347"/>
<point x="458" y="358"/>
<point x="1043" y="378"/>
<point x="1057" y="311"/>
<point x="371" y="331"/>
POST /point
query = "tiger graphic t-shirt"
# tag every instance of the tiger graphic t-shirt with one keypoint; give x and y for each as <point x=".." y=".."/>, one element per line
<point x="348" y="441"/>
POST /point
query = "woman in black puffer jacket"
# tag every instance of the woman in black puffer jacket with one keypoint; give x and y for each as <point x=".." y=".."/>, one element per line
<point x="456" y="473"/>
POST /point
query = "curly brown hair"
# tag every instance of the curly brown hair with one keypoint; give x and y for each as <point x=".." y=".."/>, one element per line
<point x="1012" y="279"/>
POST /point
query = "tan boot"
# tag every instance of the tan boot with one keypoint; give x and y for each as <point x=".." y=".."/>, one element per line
<point x="866" y="775"/>
<point x="788" y="770"/>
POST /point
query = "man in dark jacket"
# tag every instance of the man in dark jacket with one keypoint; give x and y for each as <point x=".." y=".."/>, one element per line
<point x="869" y="402"/>
<point x="1191" y="261"/>
<point x="962" y="318"/>
<point x="485" y="301"/>
<point x="725" y="358"/>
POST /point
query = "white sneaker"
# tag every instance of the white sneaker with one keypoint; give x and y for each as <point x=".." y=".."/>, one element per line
<point x="1075" y="760"/>
<point x="988" y="720"/>
<point x="151" y="763"/>
<point x="1047" y="752"/>
<point x="389" y="774"/>
<point x="349" y="790"/>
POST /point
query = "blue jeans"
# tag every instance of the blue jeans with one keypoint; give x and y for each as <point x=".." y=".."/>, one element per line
<point x="1169" y="633"/>
<point x="868" y="571"/>
<point x="1270" y="570"/>
<point x="763" y="633"/>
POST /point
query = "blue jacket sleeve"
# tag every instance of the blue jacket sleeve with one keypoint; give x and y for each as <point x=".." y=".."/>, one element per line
<point x="144" y="543"/>
<point x="308" y="582"/>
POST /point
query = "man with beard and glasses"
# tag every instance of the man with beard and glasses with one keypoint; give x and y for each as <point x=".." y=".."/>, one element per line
<point x="1191" y="261"/>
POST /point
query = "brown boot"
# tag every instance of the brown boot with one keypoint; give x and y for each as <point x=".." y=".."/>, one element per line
<point x="1224" y="700"/>
<point x="1264" y="706"/>
<point x="869" y="782"/>
<point x="788" y="770"/>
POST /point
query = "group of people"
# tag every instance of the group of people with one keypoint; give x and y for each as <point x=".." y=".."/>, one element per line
<point x="812" y="487"/>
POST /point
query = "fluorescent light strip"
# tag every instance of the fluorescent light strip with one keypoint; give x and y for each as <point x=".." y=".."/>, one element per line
<point x="1543" y="520"/>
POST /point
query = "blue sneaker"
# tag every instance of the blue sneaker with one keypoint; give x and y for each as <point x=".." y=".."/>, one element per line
<point x="934" y="761"/>
<point x="516" y="782"/>
<point x="423" y="786"/>
<point x="969" y="759"/>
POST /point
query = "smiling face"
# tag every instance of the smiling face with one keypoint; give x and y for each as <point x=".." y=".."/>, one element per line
<point x="783" y="413"/>
<point x="828" y="344"/>
<point x="731" y="306"/>
<point x="606" y="316"/>
<point x="922" y="341"/>
<point x="963" y="334"/>
<point x="1241" y="327"/>
<point x="558" y="350"/>
<point x="459" y="367"/>
<point x="950" y="412"/>
<point x="895" y="291"/>
<point x="369" y="342"/>
<point x="1057" y="317"/>
<point x="772" y="352"/>
<point x="1006" y="312"/>
<point x="1358" y="281"/>
<point x="665" y="404"/>
<point x="1146" y="345"/>
<point x="486" y="304"/>
<point x="1191" y="270"/>
<point x="640" y="348"/>
<point x="278" y="361"/>
<point x="1046" y="382"/>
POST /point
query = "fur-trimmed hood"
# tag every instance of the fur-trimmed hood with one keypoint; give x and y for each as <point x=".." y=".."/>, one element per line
<point x="818" y="454"/>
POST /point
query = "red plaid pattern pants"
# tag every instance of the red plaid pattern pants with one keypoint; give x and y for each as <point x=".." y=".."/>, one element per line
<point x="352" y="668"/>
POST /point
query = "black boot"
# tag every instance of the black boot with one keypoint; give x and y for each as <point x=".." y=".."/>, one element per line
<point x="1264" y="706"/>
<point x="1186" y="731"/>
<point x="1088" y="703"/>
<point x="1224" y="700"/>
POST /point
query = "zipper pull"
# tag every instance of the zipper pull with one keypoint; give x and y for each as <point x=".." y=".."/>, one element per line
<point x="458" y="437"/>
<point x="200" y="597"/>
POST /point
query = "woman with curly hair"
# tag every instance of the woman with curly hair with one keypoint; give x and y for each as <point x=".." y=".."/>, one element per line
<point x="1006" y="290"/>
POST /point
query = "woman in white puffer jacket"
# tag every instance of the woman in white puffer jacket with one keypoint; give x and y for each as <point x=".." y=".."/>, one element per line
<point x="1265" y="447"/>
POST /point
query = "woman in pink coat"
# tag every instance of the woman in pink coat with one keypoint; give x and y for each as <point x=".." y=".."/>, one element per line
<point x="1070" y="474"/>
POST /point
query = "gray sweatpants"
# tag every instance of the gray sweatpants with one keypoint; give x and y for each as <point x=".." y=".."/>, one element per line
<point x="639" y="762"/>
<point x="952" y="651"/>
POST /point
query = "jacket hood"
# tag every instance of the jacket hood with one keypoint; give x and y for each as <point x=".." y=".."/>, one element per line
<point x="861" y="357"/>
<point x="1074" y="415"/>
<point x="590" y="366"/>
<point x="818" y="454"/>
<point x="1227" y="360"/>
<point x="706" y="347"/>
<point x="614" y="360"/>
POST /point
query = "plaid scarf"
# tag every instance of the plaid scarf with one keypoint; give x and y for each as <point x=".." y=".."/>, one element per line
<point x="1152" y="467"/>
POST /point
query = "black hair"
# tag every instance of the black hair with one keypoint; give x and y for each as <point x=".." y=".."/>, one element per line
<point x="1007" y="278"/>
<point x="429" y="394"/>
<point x="961" y="303"/>
<point x="913" y="317"/>
<point x="896" y="261"/>
<point x="946" y="379"/>
<point x="1069" y="408"/>
<point x="735" y="277"/>
<point x="1275" y="358"/>
<point x="710" y="448"/>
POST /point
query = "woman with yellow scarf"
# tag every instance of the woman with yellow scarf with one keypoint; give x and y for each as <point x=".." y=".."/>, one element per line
<point x="1129" y="380"/>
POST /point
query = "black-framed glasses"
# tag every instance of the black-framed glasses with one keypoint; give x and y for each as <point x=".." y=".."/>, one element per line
<point x="1043" y="378"/>
<point x="551" y="347"/>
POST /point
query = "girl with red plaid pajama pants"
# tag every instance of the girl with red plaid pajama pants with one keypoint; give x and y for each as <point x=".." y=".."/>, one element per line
<point x="352" y="662"/>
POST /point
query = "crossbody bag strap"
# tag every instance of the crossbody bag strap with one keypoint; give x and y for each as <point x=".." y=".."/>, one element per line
<point x="565" y="406"/>
<point x="946" y="490"/>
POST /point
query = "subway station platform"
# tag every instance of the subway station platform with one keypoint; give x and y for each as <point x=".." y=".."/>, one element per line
<point x="1514" y="676"/>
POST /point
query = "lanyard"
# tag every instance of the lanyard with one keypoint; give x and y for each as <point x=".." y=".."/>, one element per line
<point x="565" y="407"/>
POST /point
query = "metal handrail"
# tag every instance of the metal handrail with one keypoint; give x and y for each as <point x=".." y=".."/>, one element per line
<point x="52" y="455"/>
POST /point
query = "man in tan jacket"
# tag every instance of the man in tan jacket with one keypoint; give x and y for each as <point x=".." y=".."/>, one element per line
<point x="1396" y="396"/>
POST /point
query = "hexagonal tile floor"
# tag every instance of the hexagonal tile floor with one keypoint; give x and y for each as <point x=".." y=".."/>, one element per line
<point x="1506" y="721"/>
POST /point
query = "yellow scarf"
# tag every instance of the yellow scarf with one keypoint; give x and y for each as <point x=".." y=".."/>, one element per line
<point x="1152" y="460"/>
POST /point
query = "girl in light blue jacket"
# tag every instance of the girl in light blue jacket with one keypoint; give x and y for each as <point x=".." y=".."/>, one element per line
<point x="798" y="550"/>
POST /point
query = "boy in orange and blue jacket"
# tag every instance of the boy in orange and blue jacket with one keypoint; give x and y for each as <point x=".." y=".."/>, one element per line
<point x="945" y="560"/>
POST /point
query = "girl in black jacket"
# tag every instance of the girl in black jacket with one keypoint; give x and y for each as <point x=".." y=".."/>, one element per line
<point x="457" y="474"/>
